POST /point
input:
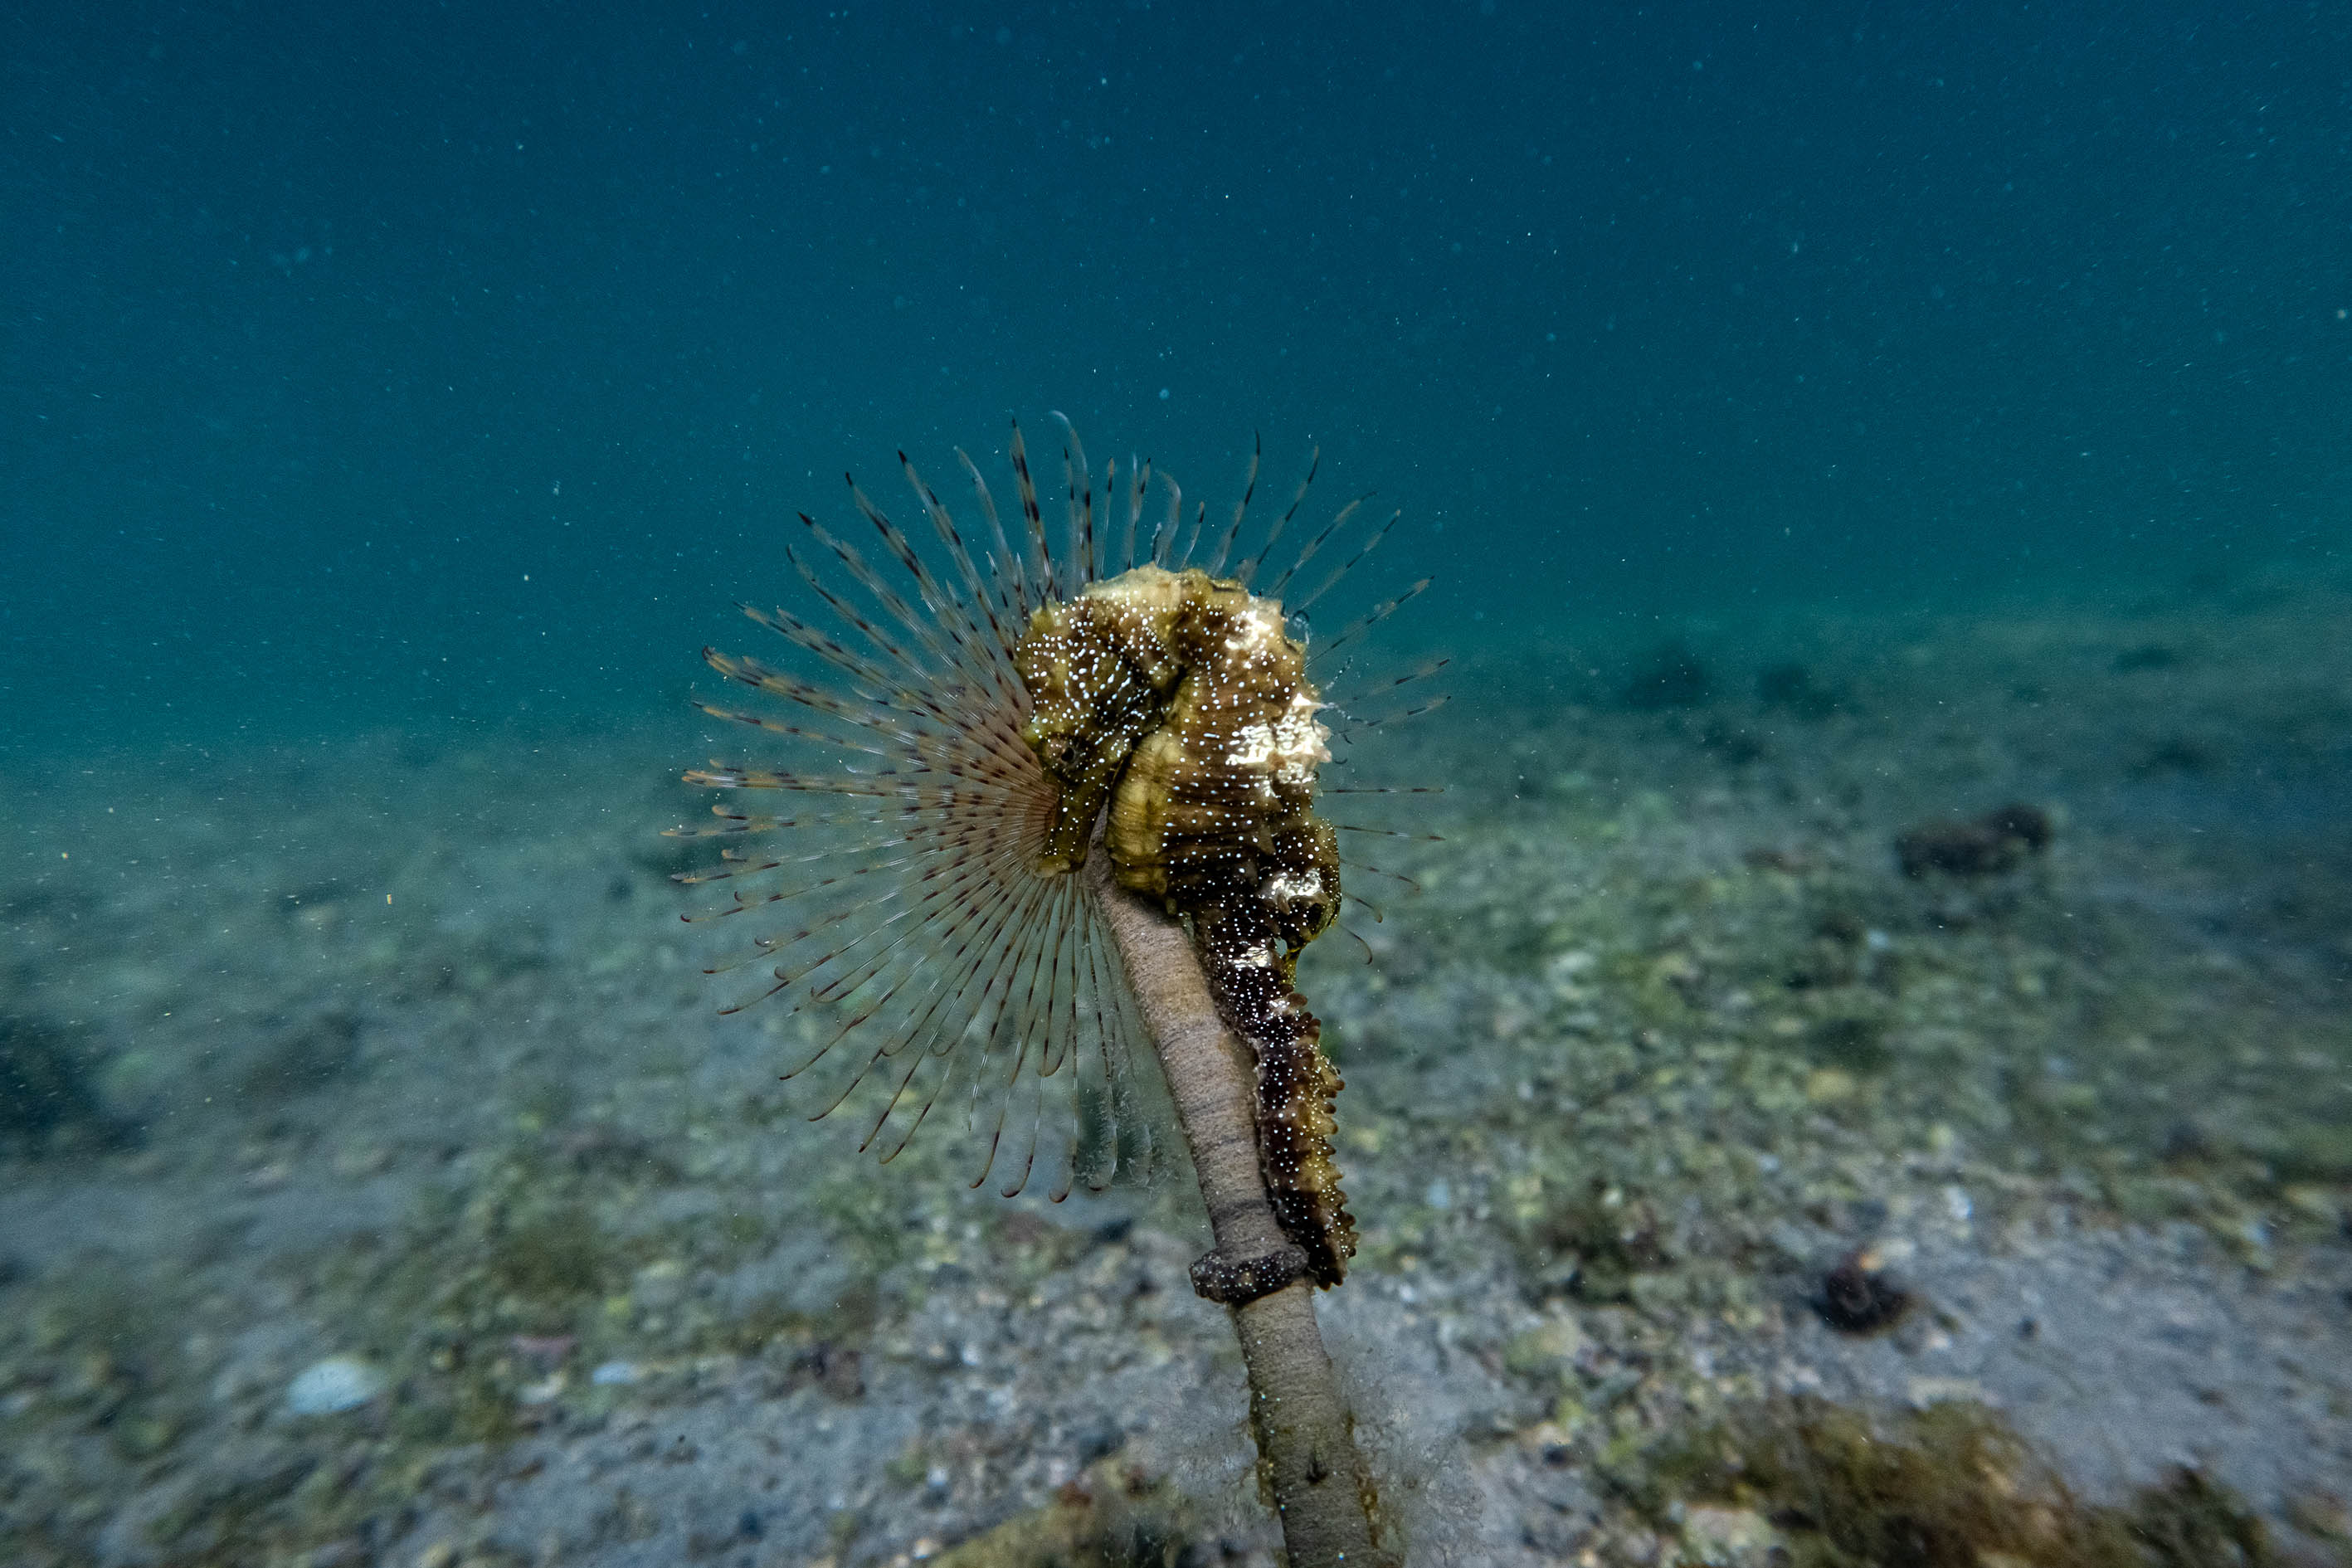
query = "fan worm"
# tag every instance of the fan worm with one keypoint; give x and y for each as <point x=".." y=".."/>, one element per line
<point x="965" y="730"/>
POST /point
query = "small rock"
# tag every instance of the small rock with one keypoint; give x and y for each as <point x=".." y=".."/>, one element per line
<point x="2320" y="1512"/>
<point x="1791" y="687"/>
<point x="1550" y="1350"/>
<point x="2000" y="840"/>
<point x="545" y="1392"/>
<point x="1730" y="1537"/>
<point x="328" y="1387"/>
<point x="1859" y="1296"/>
<point x="1672" y="676"/>
<point x="542" y="1352"/>
<point x="1828" y="1085"/>
<point x="660" y="1284"/>
<point x="1924" y="1392"/>
<point x="2314" y="1203"/>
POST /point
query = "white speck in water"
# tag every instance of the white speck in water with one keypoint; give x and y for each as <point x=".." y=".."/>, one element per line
<point x="1957" y="1200"/>
<point x="337" y="1384"/>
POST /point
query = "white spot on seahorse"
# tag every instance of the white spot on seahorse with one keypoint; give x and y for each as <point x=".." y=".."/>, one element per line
<point x="1253" y="628"/>
<point x="1283" y="888"/>
<point x="1300" y="742"/>
<point x="1251" y="747"/>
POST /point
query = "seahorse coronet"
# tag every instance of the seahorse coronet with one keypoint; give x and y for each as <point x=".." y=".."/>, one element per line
<point x="1172" y="711"/>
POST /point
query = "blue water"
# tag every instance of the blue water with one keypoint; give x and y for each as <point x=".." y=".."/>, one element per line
<point x="405" y="365"/>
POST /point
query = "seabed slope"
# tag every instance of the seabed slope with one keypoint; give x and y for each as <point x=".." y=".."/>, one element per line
<point x="395" y="1050"/>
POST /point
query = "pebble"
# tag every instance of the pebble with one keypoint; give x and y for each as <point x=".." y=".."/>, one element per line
<point x="1724" y="1537"/>
<point x="338" y="1383"/>
<point x="544" y="1392"/>
<point x="1828" y="1085"/>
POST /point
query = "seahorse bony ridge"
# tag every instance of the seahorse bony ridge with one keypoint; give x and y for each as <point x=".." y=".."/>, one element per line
<point x="1179" y="701"/>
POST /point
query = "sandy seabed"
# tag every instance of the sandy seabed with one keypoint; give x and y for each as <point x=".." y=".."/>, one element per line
<point x="393" y="1050"/>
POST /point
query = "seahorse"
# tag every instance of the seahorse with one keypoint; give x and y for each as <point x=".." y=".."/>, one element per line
<point x="1030" y="707"/>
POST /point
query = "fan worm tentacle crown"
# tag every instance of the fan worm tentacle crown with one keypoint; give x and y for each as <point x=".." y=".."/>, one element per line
<point x="985" y="718"/>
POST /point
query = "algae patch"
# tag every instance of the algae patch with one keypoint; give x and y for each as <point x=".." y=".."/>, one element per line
<point x="1819" y="1486"/>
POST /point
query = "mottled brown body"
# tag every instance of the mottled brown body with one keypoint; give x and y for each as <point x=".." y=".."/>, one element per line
<point x="1172" y="707"/>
